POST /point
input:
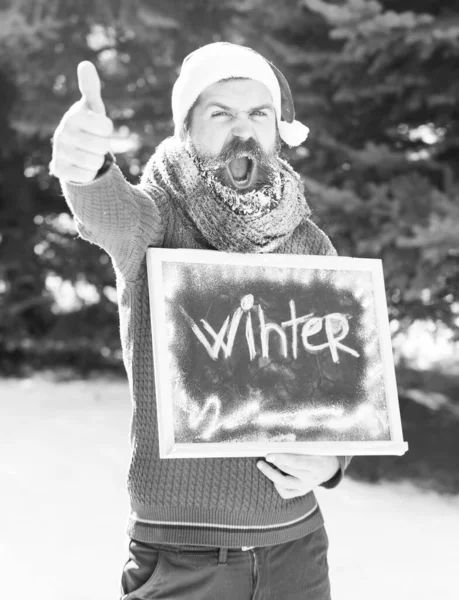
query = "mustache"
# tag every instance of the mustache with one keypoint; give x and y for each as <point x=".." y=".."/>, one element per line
<point x="238" y="148"/>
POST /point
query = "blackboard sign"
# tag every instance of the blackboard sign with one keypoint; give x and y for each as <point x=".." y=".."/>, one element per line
<point x="271" y="353"/>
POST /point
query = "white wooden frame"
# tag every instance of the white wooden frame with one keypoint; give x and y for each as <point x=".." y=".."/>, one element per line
<point x="169" y="448"/>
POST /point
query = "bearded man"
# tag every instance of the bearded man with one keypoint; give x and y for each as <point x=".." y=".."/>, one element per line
<point x="231" y="528"/>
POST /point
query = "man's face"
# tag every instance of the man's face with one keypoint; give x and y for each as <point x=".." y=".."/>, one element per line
<point x="233" y="129"/>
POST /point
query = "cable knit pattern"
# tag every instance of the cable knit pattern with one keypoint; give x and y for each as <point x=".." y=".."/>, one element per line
<point x="218" y="502"/>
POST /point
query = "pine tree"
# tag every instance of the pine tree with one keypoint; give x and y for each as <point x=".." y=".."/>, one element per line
<point x="375" y="82"/>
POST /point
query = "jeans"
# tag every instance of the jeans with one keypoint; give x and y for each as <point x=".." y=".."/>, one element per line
<point x="290" y="571"/>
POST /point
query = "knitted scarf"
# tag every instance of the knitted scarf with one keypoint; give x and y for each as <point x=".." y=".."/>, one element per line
<point x="173" y="169"/>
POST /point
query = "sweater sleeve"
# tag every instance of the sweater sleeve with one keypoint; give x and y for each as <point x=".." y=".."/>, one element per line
<point x="322" y="245"/>
<point x="343" y="465"/>
<point x="121" y="218"/>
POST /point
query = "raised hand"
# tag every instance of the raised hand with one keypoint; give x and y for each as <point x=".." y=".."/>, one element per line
<point x="82" y="138"/>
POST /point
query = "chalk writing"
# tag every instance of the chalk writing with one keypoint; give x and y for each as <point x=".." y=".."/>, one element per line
<point x="335" y="326"/>
<point x="208" y="420"/>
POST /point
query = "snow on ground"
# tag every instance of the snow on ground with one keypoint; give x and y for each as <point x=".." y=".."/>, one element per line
<point x="64" y="451"/>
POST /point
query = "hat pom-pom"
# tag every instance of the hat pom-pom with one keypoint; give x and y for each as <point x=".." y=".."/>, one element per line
<point x="293" y="134"/>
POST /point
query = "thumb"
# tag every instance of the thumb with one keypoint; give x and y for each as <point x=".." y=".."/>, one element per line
<point x="89" y="84"/>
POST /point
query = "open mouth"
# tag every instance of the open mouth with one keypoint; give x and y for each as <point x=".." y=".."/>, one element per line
<point x="241" y="172"/>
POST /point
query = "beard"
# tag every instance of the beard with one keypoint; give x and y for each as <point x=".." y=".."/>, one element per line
<point x="243" y="175"/>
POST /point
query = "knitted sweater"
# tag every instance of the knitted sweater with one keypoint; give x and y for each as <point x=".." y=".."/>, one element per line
<point x="213" y="502"/>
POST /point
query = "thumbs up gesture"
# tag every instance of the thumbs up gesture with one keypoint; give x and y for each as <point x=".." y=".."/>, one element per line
<point x="82" y="138"/>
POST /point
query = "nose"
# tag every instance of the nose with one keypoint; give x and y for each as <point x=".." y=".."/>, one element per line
<point x="242" y="128"/>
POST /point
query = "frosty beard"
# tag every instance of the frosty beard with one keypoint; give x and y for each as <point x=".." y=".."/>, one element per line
<point x="245" y="177"/>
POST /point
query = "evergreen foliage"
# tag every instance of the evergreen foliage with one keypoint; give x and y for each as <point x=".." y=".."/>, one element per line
<point x="376" y="82"/>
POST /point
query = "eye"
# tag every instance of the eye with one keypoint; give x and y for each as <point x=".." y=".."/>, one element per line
<point x="259" y="113"/>
<point x="220" y="114"/>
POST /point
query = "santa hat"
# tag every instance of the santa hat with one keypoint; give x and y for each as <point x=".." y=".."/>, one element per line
<point x="222" y="60"/>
